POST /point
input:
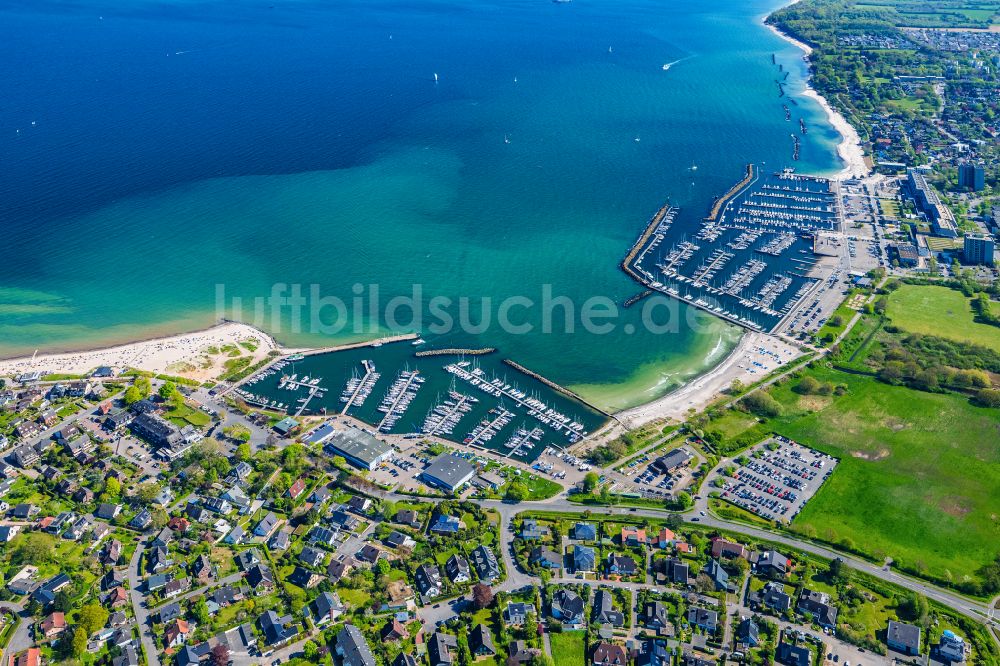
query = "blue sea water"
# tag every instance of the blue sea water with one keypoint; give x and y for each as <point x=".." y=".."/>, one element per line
<point x="151" y="151"/>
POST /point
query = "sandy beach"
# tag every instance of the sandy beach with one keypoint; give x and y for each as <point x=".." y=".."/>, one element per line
<point x="755" y="355"/>
<point x="849" y="149"/>
<point x="188" y="355"/>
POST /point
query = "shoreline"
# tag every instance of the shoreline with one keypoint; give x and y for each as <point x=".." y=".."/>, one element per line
<point x="849" y="150"/>
<point x="702" y="390"/>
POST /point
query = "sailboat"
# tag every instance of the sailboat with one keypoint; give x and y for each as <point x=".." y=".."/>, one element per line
<point x="435" y="77"/>
<point x="609" y="49"/>
<point x="506" y="139"/>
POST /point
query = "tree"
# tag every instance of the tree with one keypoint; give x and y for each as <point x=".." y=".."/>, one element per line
<point x="200" y="612"/>
<point x="132" y="395"/>
<point x="220" y="655"/>
<point x="112" y="488"/>
<point x="837" y="570"/>
<point x="79" y="642"/>
<point x="516" y="492"/>
<point x="91" y="618"/>
<point x="685" y="500"/>
<point x="243" y="452"/>
<point x="310" y="651"/>
<point x="168" y="391"/>
<point x="482" y="596"/>
<point x="590" y="481"/>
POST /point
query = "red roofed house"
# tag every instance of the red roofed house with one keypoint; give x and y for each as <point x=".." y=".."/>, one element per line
<point x="723" y="548"/>
<point x="633" y="536"/>
<point x="30" y="657"/>
<point x="297" y="488"/>
<point x="684" y="547"/>
<point x="176" y="633"/>
<point x="54" y="625"/>
<point x="665" y="538"/>
<point x="179" y="524"/>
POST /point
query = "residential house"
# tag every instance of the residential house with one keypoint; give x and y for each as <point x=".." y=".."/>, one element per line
<point x="793" y="655"/>
<point x="260" y="579"/>
<point x="584" y="558"/>
<point x="313" y="557"/>
<point x="304" y="578"/>
<point x="394" y="631"/>
<point x="771" y="563"/>
<point x="544" y="557"/>
<point x="457" y="568"/>
<point x="428" y="579"/>
<point x="567" y="606"/>
<point x="585" y="531"/>
<point x="276" y="629"/>
<point x="516" y="613"/>
<point x="704" y="618"/>
<point x="723" y="548"/>
<point x="604" y="611"/>
<point x="327" y="607"/>
<point x="903" y="637"/>
<point x="177" y="633"/>
<point x="53" y="624"/>
<point x="718" y="575"/>
<point x="442" y="649"/>
<point x="609" y="654"/>
<point x="532" y="531"/>
<point x="748" y="633"/>
<point x="620" y="565"/>
<point x="633" y="536"/>
<point x="481" y="642"/>
<point x="817" y="604"/>
<point x="352" y="647"/>
<point x="485" y="562"/>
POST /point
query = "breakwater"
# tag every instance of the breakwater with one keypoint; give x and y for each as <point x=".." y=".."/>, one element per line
<point x="731" y="194"/>
<point x="552" y="385"/>
<point x="456" y="352"/>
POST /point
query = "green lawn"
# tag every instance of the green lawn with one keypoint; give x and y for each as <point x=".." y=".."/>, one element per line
<point x="185" y="415"/>
<point x="940" y="311"/>
<point x="919" y="473"/>
<point x="568" y="647"/>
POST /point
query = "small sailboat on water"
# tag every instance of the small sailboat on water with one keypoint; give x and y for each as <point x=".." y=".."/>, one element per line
<point x="435" y="77"/>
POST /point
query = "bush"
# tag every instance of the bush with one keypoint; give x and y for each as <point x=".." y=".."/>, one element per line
<point x="761" y="403"/>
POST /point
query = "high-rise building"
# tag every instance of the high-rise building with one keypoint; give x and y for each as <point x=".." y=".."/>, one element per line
<point x="971" y="177"/>
<point x="979" y="249"/>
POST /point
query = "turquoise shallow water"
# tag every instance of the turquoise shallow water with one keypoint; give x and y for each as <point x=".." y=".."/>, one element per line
<point x="177" y="147"/>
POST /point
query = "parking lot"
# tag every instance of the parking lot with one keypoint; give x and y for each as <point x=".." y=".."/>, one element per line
<point x="776" y="484"/>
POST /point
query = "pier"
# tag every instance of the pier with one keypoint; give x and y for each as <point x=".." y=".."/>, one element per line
<point x="653" y="225"/>
<point x="486" y="431"/>
<point x="355" y="396"/>
<point x="443" y="418"/>
<point x="398" y="398"/>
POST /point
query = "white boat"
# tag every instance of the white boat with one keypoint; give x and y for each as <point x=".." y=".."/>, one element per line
<point x="435" y="77"/>
<point x="418" y="342"/>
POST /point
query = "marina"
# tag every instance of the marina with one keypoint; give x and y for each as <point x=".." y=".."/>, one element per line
<point x="480" y="399"/>
<point x="751" y="258"/>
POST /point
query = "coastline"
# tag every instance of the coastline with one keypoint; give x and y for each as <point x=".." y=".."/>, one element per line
<point x="700" y="391"/>
<point x="156" y="354"/>
<point x="849" y="150"/>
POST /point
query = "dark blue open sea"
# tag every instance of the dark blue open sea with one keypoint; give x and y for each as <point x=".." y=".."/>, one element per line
<point x="153" y="150"/>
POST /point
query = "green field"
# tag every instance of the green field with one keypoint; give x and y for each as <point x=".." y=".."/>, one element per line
<point x="568" y="647"/>
<point x="940" y="311"/>
<point x="918" y="479"/>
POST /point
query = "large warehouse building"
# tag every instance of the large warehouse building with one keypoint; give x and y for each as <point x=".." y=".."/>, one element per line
<point x="448" y="472"/>
<point x="358" y="448"/>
